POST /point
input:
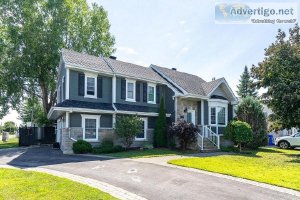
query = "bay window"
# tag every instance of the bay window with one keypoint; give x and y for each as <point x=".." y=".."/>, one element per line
<point x="217" y="115"/>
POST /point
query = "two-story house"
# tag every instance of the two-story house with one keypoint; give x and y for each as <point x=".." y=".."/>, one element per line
<point x="93" y="91"/>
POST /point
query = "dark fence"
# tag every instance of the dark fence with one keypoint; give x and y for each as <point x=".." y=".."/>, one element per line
<point x="33" y="135"/>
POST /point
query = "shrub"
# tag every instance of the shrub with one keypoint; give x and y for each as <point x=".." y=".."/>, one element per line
<point x="118" y="148"/>
<point x="82" y="146"/>
<point x="229" y="149"/>
<point x="239" y="132"/>
<point x="250" y="110"/>
<point x="127" y="127"/>
<point x="160" y="131"/>
<point x="185" y="132"/>
<point x="147" y="146"/>
<point x="107" y="143"/>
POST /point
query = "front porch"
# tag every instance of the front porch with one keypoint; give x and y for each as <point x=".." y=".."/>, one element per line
<point x="210" y="115"/>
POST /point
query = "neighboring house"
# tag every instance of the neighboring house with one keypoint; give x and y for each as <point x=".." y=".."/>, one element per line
<point x="93" y="91"/>
<point x="267" y="111"/>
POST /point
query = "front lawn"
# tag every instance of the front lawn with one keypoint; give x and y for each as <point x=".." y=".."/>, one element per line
<point x="12" y="142"/>
<point x="19" y="184"/>
<point x="268" y="165"/>
<point x="156" y="152"/>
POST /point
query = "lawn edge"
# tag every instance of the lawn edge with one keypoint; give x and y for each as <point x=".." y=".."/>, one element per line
<point x="114" y="191"/>
<point x="239" y="179"/>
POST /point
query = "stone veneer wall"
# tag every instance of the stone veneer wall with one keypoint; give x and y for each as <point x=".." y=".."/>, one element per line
<point x="190" y="105"/>
<point x="76" y="133"/>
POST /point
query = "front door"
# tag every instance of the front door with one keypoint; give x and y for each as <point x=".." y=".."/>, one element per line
<point x="191" y="116"/>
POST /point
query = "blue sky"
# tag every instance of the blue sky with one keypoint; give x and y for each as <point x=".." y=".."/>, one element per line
<point x="183" y="34"/>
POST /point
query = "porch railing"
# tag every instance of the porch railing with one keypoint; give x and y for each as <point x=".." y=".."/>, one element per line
<point x="206" y="132"/>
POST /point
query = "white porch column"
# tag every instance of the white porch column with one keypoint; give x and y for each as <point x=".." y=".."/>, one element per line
<point x="175" y="107"/>
<point x="67" y="119"/>
<point x="114" y="120"/>
<point x="202" y="112"/>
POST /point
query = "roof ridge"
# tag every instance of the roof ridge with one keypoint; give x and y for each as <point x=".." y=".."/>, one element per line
<point x="180" y="72"/>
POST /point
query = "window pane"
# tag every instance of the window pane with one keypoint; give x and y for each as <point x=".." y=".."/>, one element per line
<point x="142" y="134"/>
<point x="221" y="116"/>
<point x="189" y="117"/>
<point x="150" y="93"/>
<point x="213" y="115"/>
<point x="90" y="128"/>
<point x="130" y="90"/>
<point x="90" y="86"/>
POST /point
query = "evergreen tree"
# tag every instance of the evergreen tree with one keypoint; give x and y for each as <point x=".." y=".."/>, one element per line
<point x="160" y="131"/>
<point x="245" y="88"/>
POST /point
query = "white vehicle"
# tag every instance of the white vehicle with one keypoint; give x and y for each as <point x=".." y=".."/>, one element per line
<point x="290" y="141"/>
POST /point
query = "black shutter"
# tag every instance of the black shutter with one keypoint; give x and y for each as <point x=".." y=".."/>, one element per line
<point x="145" y="92"/>
<point x="138" y="91"/>
<point x="157" y="94"/>
<point x="80" y="84"/>
<point x="123" y="89"/>
<point x="99" y="87"/>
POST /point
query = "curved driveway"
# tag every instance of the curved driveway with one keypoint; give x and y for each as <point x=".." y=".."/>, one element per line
<point x="144" y="179"/>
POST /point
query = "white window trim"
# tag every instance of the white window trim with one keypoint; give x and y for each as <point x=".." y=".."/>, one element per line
<point x="145" y="119"/>
<point x="62" y="88"/>
<point x="90" y="75"/>
<point x="154" y="86"/>
<point x="134" y="85"/>
<point x="97" y="117"/>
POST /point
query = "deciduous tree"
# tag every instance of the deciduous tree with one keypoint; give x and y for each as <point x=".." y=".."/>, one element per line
<point x="32" y="33"/>
<point x="279" y="73"/>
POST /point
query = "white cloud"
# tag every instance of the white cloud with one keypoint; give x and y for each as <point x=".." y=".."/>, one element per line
<point x="182" y="22"/>
<point x="127" y="50"/>
<point x="185" y="49"/>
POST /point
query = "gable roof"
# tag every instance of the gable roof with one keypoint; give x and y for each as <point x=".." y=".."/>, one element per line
<point x="191" y="84"/>
<point x="85" y="61"/>
<point x="137" y="71"/>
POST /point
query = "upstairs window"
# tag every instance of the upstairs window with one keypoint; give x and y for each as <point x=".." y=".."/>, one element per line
<point x="151" y="93"/>
<point x="90" y="86"/>
<point x="130" y="90"/>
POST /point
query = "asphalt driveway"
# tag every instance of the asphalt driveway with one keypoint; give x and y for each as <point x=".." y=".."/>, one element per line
<point x="144" y="179"/>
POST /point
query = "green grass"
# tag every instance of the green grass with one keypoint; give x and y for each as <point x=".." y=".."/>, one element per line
<point x="19" y="184"/>
<point x="12" y="142"/>
<point x="148" y="153"/>
<point x="267" y="165"/>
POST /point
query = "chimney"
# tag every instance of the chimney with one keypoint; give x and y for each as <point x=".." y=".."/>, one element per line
<point x="174" y="69"/>
<point x="113" y="57"/>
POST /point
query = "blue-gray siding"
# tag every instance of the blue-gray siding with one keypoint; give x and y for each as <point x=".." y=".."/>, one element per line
<point x="106" y="89"/>
<point x="205" y="113"/>
<point x="105" y="120"/>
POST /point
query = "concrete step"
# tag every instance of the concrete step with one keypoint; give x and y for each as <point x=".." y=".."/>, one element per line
<point x="209" y="150"/>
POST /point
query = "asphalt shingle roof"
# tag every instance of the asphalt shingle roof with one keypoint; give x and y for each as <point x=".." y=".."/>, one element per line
<point x="135" y="108"/>
<point x="85" y="104"/>
<point x="192" y="84"/>
<point x="129" y="69"/>
<point x="85" y="61"/>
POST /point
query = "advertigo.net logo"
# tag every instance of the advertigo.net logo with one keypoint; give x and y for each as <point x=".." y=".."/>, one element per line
<point x="256" y="13"/>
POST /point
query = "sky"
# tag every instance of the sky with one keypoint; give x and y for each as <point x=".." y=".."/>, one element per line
<point x="183" y="35"/>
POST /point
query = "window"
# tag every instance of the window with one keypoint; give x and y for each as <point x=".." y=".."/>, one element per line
<point x="218" y="115"/>
<point x="90" y="125"/>
<point x="213" y="115"/>
<point x="151" y="93"/>
<point x="143" y="135"/>
<point x="130" y="90"/>
<point x="221" y="116"/>
<point x="90" y="85"/>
